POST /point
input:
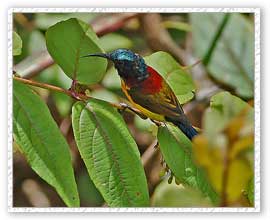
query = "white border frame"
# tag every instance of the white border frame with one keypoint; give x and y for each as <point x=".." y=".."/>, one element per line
<point x="256" y="12"/>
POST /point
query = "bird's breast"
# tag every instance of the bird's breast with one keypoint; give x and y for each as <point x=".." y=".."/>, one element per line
<point x="151" y="85"/>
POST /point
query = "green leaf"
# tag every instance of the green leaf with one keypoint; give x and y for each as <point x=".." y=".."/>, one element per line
<point x="42" y="143"/>
<point x="223" y="107"/>
<point x="67" y="41"/>
<point x="55" y="76"/>
<point x="16" y="44"/>
<point x="144" y="125"/>
<point x="176" y="150"/>
<point x="178" y="25"/>
<point x="89" y="195"/>
<point x="110" y="154"/>
<point x="172" y="195"/>
<point x="179" y="80"/>
<point x="104" y="94"/>
<point x="250" y="191"/>
<point x="113" y="41"/>
<point x="232" y="61"/>
<point x="45" y="20"/>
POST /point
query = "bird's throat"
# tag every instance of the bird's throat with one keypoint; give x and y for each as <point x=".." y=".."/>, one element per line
<point x="132" y="78"/>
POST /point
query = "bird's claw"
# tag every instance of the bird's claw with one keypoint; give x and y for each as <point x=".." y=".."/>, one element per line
<point x="156" y="146"/>
<point x="157" y="123"/>
<point x="124" y="106"/>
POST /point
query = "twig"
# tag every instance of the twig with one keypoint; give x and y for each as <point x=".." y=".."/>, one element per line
<point x="107" y="24"/>
<point x="152" y="166"/>
<point x="158" y="37"/>
<point x="43" y="85"/>
<point x="21" y="19"/>
<point x="34" y="64"/>
<point x="224" y="183"/>
<point x="79" y="97"/>
<point x="149" y="153"/>
<point x="191" y="65"/>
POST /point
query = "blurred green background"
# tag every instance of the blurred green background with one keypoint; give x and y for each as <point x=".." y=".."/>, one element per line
<point x="187" y="37"/>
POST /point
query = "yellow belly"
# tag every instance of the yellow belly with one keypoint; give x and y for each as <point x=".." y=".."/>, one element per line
<point x="147" y="113"/>
<point x="143" y="110"/>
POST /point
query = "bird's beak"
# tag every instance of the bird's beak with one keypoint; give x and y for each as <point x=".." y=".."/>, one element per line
<point x="104" y="55"/>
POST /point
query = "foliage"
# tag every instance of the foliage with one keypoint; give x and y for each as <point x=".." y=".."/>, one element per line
<point x="176" y="150"/>
<point x="232" y="61"/>
<point x="225" y="151"/>
<point x="113" y="162"/>
<point x="17" y="44"/>
<point x="173" y="195"/>
<point x="54" y="133"/>
<point x="47" y="154"/>
<point x="67" y="41"/>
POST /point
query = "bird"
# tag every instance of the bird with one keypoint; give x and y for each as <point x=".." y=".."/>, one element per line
<point x="147" y="91"/>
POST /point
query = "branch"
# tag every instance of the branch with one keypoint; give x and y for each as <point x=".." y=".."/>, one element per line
<point x="34" y="64"/>
<point x="158" y="37"/>
<point x="43" y="85"/>
<point x="224" y="184"/>
<point x="72" y="94"/>
<point x="107" y="24"/>
<point x="150" y="152"/>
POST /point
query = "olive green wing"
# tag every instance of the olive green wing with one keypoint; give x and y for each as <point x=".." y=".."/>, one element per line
<point x="164" y="102"/>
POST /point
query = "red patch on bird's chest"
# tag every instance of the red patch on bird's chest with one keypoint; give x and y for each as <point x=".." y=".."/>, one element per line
<point x="152" y="84"/>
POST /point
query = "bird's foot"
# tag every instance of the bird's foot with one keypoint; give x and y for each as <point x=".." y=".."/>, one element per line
<point x="157" y="123"/>
<point x="75" y="95"/>
<point x="125" y="106"/>
<point x="156" y="146"/>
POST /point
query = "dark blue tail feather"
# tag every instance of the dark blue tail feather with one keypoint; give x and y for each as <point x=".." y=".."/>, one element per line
<point x="187" y="129"/>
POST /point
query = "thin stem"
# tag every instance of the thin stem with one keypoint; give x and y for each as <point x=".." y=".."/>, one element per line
<point x="214" y="42"/>
<point x="79" y="97"/>
<point x="192" y="65"/>
<point x="224" y="183"/>
<point x="42" y="85"/>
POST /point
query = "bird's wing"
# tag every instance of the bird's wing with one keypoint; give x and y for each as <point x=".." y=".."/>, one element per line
<point x="163" y="102"/>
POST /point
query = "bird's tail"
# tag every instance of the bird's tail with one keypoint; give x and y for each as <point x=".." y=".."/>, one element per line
<point x="186" y="128"/>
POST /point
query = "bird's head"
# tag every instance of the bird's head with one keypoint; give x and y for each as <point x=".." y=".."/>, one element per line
<point x="128" y="64"/>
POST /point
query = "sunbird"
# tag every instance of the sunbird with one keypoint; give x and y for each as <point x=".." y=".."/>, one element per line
<point x="147" y="90"/>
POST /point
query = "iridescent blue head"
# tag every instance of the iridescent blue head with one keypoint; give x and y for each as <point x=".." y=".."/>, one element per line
<point x="127" y="63"/>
